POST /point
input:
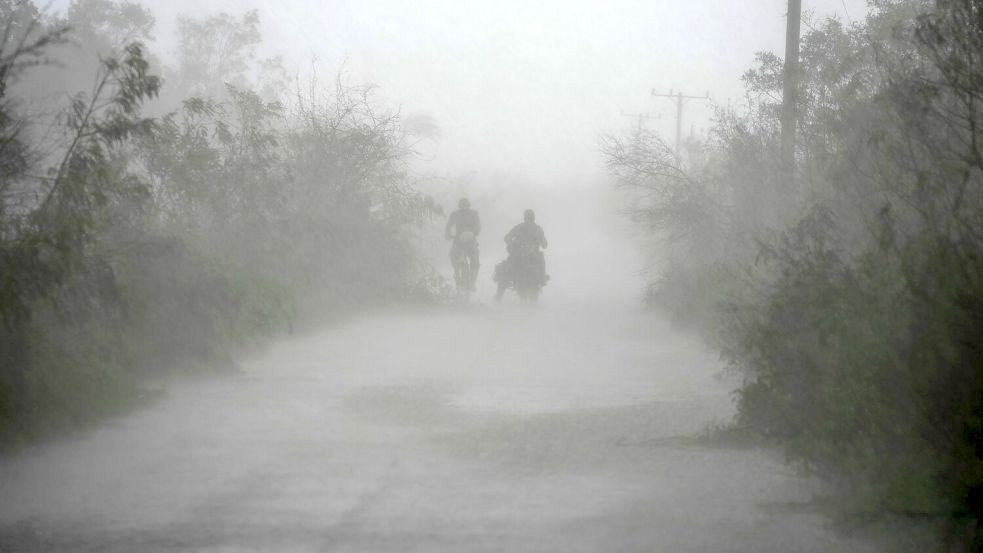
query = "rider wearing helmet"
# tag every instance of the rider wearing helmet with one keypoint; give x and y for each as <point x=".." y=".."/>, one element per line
<point x="528" y="232"/>
<point x="463" y="227"/>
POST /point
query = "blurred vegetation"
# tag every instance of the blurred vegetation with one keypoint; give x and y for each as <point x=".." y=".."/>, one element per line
<point x="133" y="244"/>
<point x="849" y="299"/>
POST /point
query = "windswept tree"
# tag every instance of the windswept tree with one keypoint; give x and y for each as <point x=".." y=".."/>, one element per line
<point x="851" y="305"/>
<point x="131" y="244"/>
<point x="214" y="52"/>
<point x="47" y="220"/>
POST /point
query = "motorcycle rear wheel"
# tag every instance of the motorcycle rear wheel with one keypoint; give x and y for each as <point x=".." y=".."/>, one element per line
<point x="462" y="277"/>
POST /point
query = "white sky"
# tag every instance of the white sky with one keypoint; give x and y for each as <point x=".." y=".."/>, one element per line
<point x="525" y="87"/>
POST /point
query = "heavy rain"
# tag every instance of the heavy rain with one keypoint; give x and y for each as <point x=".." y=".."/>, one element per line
<point x="453" y="276"/>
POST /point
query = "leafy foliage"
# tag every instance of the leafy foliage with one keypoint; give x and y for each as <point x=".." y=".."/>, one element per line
<point x="132" y="245"/>
<point x="849" y="299"/>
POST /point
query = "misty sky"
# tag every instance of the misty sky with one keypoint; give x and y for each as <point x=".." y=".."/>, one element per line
<point x="525" y="87"/>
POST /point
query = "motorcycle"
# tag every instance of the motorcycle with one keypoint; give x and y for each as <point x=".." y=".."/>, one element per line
<point x="521" y="272"/>
<point x="463" y="270"/>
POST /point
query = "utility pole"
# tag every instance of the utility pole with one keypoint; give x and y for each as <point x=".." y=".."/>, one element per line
<point x="637" y="145"/>
<point x="789" y="100"/>
<point x="680" y="99"/>
<point x="641" y="119"/>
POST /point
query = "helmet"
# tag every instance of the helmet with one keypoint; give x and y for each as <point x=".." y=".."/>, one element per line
<point x="529" y="216"/>
<point x="463" y="203"/>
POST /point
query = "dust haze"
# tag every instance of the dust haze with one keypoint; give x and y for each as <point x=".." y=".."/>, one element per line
<point x="490" y="276"/>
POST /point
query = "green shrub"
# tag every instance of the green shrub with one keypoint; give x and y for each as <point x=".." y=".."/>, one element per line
<point x="850" y="298"/>
<point x="172" y="243"/>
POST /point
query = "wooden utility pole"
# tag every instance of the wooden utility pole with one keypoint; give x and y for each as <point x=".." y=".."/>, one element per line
<point x="636" y="145"/>
<point x="789" y="100"/>
<point x="680" y="99"/>
<point x="641" y="119"/>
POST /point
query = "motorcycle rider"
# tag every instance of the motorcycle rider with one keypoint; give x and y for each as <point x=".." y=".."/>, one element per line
<point x="463" y="227"/>
<point x="528" y="232"/>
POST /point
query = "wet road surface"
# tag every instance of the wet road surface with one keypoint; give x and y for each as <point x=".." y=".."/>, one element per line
<point x="559" y="429"/>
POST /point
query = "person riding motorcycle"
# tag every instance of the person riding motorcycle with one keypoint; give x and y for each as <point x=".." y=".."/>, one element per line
<point x="463" y="227"/>
<point x="528" y="232"/>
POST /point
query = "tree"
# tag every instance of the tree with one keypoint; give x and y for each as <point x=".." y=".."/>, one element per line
<point x="44" y="242"/>
<point x="214" y="52"/>
<point x="852" y="305"/>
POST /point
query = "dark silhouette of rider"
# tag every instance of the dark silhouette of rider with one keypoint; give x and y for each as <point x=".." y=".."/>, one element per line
<point x="463" y="227"/>
<point x="528" y="232"/>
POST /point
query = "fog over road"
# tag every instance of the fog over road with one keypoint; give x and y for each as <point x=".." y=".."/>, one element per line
<point x="488" y="430"/>
<point x="493" y="428"/>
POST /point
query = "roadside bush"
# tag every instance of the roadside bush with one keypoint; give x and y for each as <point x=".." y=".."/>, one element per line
<point x="134" y="247"/>
<point x="849" y="299"/>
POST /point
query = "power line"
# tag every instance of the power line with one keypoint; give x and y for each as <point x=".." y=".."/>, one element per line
<point x="846" y="11"/>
